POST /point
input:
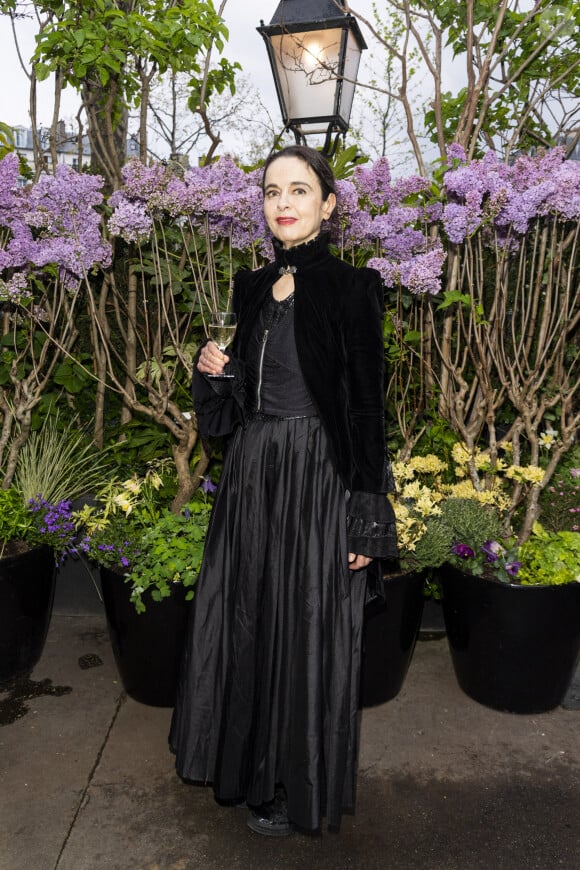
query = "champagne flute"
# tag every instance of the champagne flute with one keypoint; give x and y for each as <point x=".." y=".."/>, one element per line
<point x="221" y="329"/>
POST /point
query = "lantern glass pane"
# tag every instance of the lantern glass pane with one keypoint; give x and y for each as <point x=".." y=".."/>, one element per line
<point x="306" y="66"/>
<point x="351" y="63"/>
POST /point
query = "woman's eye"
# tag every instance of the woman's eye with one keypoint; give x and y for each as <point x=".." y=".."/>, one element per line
<point x="299" y="190"/>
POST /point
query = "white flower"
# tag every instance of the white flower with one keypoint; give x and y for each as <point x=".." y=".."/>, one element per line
<point x="548" y="438"/>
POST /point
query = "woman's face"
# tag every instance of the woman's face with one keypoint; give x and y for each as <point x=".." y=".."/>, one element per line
<point x="293" y="204"/>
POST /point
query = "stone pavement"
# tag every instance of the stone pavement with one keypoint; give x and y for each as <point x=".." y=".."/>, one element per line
<point x="87" y="781"/>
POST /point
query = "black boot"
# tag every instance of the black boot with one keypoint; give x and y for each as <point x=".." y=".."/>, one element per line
<point x="271" y="819"/>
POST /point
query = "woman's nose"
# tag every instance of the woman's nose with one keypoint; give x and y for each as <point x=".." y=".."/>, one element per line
<point x="283" y="201"/>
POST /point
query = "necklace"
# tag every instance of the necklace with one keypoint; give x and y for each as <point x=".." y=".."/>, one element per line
<point x="287" y="270"/>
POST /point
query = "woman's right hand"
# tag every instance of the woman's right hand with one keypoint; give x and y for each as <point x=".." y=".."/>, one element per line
<point x="211" y="360"/>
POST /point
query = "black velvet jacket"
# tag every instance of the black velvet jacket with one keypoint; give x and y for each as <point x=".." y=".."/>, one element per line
<point x="338" y="313"/>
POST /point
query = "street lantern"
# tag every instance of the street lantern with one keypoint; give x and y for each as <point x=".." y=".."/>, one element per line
<point x="314" y="48"/>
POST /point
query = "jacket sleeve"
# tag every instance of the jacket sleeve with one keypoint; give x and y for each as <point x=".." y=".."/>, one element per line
<point x="219" y="405"/>
<point x="371" y="521"/>
<point x="370" y="526"/>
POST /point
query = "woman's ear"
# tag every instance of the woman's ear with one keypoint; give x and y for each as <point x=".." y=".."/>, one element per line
<point x="328" y="206"/>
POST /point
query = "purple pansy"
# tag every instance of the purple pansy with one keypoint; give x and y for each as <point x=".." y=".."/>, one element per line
<point x="493" y="550"/>
<point x="463" y="551"/>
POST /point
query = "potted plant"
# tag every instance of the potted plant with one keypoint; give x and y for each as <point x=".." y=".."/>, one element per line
<point x="30" y="537"/>
<point x="150" y="559"/>
<point x="36" y="528"/>
<point x="436" y="502"/>
<point x="394" y="609"/>
<point x="513" y="618"/>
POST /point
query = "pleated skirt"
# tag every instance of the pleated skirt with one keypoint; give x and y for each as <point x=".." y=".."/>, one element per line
<point x="268" y="692"/>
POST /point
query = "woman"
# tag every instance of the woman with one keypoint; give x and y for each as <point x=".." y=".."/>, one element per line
<point x="267" y="704"/>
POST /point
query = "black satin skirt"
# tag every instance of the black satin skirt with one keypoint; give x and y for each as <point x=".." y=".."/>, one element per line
<point x="269" y="687"/>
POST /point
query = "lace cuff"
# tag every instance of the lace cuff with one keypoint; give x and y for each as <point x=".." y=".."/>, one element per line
<point x="370" y="526"/>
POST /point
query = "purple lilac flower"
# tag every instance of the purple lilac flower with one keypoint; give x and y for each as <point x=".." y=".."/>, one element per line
<point x="347" y="200"/>
<point x="53" y="221"/>
<point x="130" y="221"/>
<point x="512" y="196"/>
<point x="456" y="222"/>
<point x="422" y="274"/>
<point x="374" y="183"/>
<point x="575" y="472"/>
<point x="455" y="151"/>
<point x="463" y="551"/>
<point x="220" y="197"/>
<point x="389" y="272"/>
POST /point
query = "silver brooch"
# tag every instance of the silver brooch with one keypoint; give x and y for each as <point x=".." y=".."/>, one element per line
<point x="287" y="270"/>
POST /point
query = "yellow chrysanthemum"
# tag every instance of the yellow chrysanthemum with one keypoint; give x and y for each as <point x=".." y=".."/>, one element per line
<point x="412" y="490"/>
<point x="460" y="453"/>
<point x="492" y="497"/>
<point x="400" y="510"/>
<point x="402" y="471"/>
<point x="482" y="461"/>
<point x="426" y="507"/>
<point x="429" y="464"/>
<point x="526" y="474"/>
<point x="463" y="489"/>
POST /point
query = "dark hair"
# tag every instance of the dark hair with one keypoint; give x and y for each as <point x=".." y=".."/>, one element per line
<point x="313" y="158"/>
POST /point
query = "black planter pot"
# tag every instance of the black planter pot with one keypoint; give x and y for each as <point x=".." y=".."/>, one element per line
<point x="147" y="646"/>
<point x="392" y="620"/>
<point x="26" y="594"/>
<point x="514" y="648"/>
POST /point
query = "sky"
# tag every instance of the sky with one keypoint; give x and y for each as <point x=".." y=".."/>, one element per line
<point x="245" y="46"/>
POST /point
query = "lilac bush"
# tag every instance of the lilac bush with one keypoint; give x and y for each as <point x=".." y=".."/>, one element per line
<point x="54" y="222"/>
<point x="221" y="193"/>
<point x="50" y="238"/>
<point x="509" y="197"/>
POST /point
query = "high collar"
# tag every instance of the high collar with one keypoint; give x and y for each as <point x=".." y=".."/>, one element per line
<point x="304" y="255"/>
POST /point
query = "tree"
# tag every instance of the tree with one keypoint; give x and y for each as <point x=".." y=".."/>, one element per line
<point x="110" y="51"/>
<point x="502" y="75"/>
<point x="173" y="127"/>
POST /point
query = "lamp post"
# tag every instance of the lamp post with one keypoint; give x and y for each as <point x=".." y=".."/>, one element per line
<point x="314" y="48"/>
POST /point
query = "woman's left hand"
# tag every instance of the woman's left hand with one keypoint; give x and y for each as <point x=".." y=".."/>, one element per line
<point x="356" y="562"/>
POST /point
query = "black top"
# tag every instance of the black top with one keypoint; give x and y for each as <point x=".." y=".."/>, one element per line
<point x="274" y="381"/>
